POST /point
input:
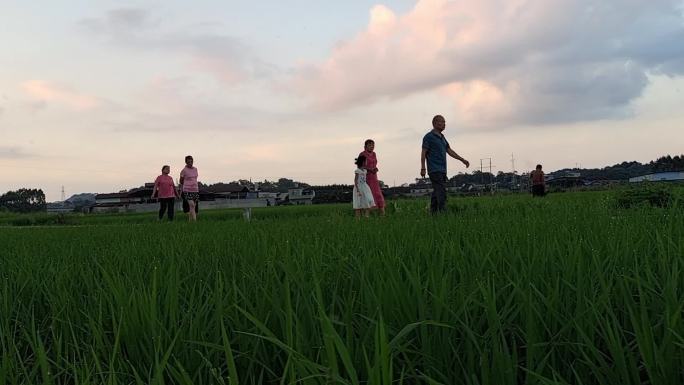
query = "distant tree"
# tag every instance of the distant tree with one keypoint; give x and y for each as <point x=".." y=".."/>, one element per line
<point x="246" y="183"/>
<point x="284" y="183"/>
<point x="23" y="200"/>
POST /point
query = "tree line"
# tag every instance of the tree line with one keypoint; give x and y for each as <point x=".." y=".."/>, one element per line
<point x="24" y="200"/>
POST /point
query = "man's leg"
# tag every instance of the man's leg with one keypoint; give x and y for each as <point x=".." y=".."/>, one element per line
<point x="442" y="197"/>
<point x="438" y="201"/>
<point x="444" y="191"/>
<point x="537" y="191"/>
<point x="434" y="204"/>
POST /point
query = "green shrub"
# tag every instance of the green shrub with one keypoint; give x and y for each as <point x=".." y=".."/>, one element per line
<point x="23" y="220"/>
<point x="645" y="195"/>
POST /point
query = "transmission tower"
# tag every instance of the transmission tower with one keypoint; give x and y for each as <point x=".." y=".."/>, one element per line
<point x="63" y="194"/>
<point x="482" y="167"/>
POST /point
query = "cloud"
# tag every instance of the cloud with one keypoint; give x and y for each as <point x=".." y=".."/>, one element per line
<point x="506" y="62"/>
<point x="13" y="153"/>
<point x="178" y="104"/>
<point x="120" y="21"/>
<point x="43" y="92"/>
<point x="226" y="58"/>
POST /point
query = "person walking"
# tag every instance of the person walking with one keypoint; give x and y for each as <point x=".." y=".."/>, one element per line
<point x="372" y="174"/>
<point x="538" y="182"/>
<point x="434" y="150"/>
<point x="165" y="190"/>
<point x="362" y="200"/>
<point x="190" y="187"/>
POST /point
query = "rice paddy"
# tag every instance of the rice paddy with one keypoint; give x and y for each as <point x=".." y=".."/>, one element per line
<point x="568" y="289"/>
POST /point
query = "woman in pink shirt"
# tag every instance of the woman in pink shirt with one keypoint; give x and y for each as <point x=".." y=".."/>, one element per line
<point x="190" y="187"/>
<point x="372" y="174"/>
<point x="165" y="191"/>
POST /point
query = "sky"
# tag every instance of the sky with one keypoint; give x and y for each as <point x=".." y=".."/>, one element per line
<point x="97" y="96"/>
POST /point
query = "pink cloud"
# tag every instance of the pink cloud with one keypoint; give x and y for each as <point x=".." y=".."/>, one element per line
<point x="42" y="91"/>
<point x="224" y="71"/>
<point x="480" y="103"/>
<point x="503" y="62"/>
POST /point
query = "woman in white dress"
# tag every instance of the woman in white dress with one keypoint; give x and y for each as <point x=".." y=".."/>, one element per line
<point x="363" y="196"/>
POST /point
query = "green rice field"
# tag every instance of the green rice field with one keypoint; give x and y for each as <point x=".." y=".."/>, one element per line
<point x="568" y="289"/>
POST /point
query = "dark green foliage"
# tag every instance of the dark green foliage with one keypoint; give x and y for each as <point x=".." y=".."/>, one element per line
<point x="23" y="200"/>
<point x="655" y="195"/>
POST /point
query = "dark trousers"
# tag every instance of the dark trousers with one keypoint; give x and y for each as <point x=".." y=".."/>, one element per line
<point x="538" y="190"/>
<point x="166" y="204"/>
<point x="439" y="195"/>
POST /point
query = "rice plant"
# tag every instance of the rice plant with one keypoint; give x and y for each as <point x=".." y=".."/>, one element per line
<point x="502" y="290"/>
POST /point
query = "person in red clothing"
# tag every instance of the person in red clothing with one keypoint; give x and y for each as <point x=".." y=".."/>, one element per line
<point x="538" y="182"/>
<point x="165" y="191"/>
<point x="372" y="174"/>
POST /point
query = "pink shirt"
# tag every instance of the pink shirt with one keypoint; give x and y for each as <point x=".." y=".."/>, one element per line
<point x="165" y="186"/>
<point x="189" y="176"/>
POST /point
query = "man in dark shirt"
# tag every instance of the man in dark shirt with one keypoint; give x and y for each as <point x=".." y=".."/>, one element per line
<point x="435" y="150"/>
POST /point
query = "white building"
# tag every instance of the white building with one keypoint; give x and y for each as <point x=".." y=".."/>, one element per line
<point x="300" y="196"/>
<point x="670" y="176"/>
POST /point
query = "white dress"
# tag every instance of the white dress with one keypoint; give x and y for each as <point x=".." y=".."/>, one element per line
<point x="364" y="200"/>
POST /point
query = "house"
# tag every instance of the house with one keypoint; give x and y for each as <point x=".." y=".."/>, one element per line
<point x="299" y="196"/>
<point x="421" y="190"/>
<point x="670" y="176"/>
<point x="114" y="202"/>
<point x="270" y="197"/>
<point x="227" y="191"/>
<point x="565" y="179"/>
<point x="136" y="195"/>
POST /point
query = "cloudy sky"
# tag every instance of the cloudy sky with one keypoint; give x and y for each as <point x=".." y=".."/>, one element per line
<point x="97" y="96"/>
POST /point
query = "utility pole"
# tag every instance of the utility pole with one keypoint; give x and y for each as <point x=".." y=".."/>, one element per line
<point x="491" y="177"/>
<point x="513" y="179"/>
<point x="481" y="174"/>
<point x="490" y="172"/>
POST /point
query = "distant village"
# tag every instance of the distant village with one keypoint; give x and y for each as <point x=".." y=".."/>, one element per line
<point x="244" y="193"/>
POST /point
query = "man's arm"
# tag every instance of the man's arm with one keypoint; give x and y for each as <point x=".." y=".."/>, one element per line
<point x="423" y="154"/>
<point x="454" y="155"/>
